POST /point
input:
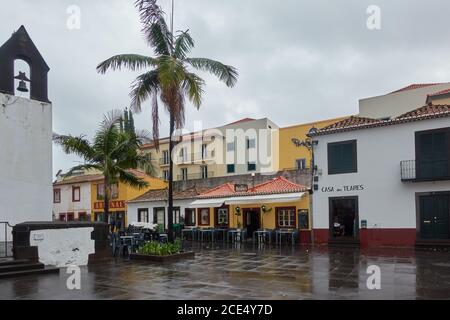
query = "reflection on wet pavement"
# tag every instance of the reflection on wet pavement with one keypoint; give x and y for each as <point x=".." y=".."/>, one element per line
<point x="221" y="272"/>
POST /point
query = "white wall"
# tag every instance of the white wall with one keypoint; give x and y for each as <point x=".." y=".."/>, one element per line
<point x="133" y="208"/>
<point x="25" y="160"/>
<point x="395" y="104"/>
<point x="386" y="201"/>
<point x="67" y="205"/>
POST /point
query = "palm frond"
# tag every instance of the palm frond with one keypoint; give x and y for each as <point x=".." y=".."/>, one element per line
<point x="77" y="145"/>
<point x="131" y="179"/>
<point x="130" y="61"/>
<point x="227" y="74"/>
<point x="155" y="27"/>
<point x="143" y="87"/>
<point x="193" y="87"/>
<point x="106" y="137"/>
<point x="86" y="167"/>
<point x="183" y="44"/>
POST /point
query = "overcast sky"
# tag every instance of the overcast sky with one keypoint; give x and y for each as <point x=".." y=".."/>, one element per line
<point x="299" y="61"/>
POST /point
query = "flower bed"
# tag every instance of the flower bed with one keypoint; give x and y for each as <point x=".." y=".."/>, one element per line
<point x="162" y="252"/>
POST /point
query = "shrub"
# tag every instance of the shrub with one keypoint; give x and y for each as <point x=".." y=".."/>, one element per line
<point x="155" y="248"/>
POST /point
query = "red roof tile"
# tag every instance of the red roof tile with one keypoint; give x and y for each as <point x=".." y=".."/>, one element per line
<point x="439" y="93"/>
<point x="277" y="185"/>
<point x="416" y="86"/>
<point x="355" y="123"/>
<point x="162" y="194"/>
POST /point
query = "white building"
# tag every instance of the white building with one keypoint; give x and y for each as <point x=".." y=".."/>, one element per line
<point x="384" y="182"/>
<point x="400" y="101"/>
<point x="72" y="197"/>
<point x="25" y="135"/>
<point x="151" y="207"/>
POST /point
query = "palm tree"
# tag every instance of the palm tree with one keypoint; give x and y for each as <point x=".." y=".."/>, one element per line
<point x="113" y="152"/>
<point x="167" y="77"/>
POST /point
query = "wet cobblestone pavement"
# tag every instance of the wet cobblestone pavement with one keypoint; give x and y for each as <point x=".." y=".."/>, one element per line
<point x="253" y="273"/>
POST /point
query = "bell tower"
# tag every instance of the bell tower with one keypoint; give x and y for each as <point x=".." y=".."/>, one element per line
<point x="20" y="46"/>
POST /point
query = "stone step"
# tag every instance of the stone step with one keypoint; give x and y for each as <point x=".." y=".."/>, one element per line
<point x="21" y="267"/>
<point x="14" y="274"/>
<point x="8" y="262"/>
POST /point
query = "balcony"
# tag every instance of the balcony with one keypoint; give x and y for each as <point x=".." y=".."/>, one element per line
<point x="195" y="176"/>
<point x="425" y="170"/>
<point x="164" y="161"/>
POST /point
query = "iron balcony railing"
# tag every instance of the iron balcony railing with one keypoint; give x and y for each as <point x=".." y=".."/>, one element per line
<point x="195" y="176"/>
<point x="425" y="170"/>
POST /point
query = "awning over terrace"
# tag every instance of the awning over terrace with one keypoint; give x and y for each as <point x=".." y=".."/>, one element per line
<point x="261" y="199"/>
<point x="207" y="203"/>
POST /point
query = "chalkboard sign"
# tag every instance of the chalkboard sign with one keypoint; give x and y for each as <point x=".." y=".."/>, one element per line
<point x="303" y="219"/>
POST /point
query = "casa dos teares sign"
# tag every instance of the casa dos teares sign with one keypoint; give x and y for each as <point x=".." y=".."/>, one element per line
<point x="358" y="187"/>
<point x="119" y="204"/>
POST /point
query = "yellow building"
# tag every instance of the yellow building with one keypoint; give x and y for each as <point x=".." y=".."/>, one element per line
<point x="120" y="194"/>
<point x="294" y="155"/>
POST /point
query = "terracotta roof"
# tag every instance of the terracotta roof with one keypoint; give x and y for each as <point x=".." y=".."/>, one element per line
<point x="355" y="123"/>
<point x="223" y="190"/>
<point x="416" y="86"/>
<point x="352" y="121"/>
<point x="439" y="93"/>
<point x="79" y="179"/>
<point x="241" y="121"/>
<point x="93" y="177"/>
<point x="277" y="185"/>
<point x="162" y="194"/>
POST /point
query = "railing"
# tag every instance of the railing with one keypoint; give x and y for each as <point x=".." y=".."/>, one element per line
<point x="195" y="176"/>
<point x="6" y="244"/>
<point x="425" y="170"/>
<point x="164" y="161"/>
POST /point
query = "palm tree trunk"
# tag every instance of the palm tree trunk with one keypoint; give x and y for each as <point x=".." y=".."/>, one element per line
<point x="106" y="201"/>
<point x="170" y="200"/>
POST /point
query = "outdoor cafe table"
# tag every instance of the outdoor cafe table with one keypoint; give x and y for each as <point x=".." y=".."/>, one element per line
<point x="128" y="241"/>
<point x="279" y="233"/>
<point x="192" y="231"/>
<point x="262" y="234"/>
<point x="234" y="232"/>
<point x="202" y="232"/>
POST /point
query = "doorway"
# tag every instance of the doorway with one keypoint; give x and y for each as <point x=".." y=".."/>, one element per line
<point x="435" y="216"/>
<point x="344" y="218"/>
<point x="252" y="220"/>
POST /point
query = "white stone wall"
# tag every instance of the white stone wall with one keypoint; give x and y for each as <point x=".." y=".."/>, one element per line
<point x="25" y="160"/>
<point x="385" y="201"/>
<point x="63" y="247"/>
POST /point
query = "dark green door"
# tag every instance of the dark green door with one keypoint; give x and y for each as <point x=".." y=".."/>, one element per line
<point x="434" y="217"/>
<point x="433" y="154"/>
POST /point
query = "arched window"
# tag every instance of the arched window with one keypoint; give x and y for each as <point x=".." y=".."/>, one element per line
<point x="22" y="68"/>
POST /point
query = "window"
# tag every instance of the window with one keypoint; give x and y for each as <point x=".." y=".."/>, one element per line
<point x="183" y="155"/>
<point x="100" y="191"/>
<point x="62" y="217"/>
<point x="433" y="154"/>
<point x="165" y="158"/>
<point x="303" y="219"/>
<point x="189" y="217"/>
<point x="204" y="151"/>
<point x="342" y="157"/>
<point x="251" y="143"/>
<point x="159" y="217"/>
<point x="184" y="174"/>
<point x="300" y="164"/>
<point x="56" y="195"/>
<point x="230" y="168"/>
<point x="204" y="170"/>
<point x="251" y="166"/>
<point x="99" y="217"/>
<point x="82" y="216"/>
<point x="114" y="191"/>
<point x="203" y="217"/>
<point x="166" y="174"/>
<point x="76" y="196"/>
<point x="286" y="217"/>
<point x="222" y="217"/>
<point x="176" y="215"/>
<point x="143" y="215"/>
<point x="230" y="146"/>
